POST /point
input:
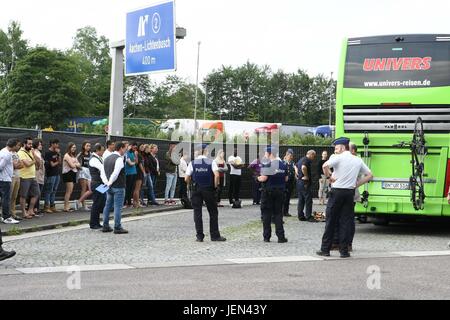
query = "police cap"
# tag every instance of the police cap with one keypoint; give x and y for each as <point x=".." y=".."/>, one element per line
<point x="342" y="140"/>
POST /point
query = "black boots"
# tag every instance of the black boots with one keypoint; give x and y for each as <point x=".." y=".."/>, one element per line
<point x="6" y="254"/>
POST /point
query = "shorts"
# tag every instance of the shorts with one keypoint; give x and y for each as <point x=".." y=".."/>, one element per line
<point x="84" y="173"/>
<point x="69" y="177"/>
<point x="29" y="188"/>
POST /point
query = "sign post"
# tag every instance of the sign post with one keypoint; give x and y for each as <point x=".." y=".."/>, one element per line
<point x="150" y="47"/>
<point x="151" y="40"/>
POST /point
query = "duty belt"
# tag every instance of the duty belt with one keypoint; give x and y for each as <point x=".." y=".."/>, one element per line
<point x="275" y="189"/>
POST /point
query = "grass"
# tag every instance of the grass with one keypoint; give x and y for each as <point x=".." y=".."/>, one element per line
<point x="136" y="212"/>
<point x="73" y="223"/>
<point x="14" y="231"/>
<point x="34" y="229"/>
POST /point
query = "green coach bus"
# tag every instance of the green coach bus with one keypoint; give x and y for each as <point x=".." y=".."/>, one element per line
<point x="393" y="102"/>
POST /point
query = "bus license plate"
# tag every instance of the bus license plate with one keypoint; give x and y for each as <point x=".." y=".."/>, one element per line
<point x="396" y="185"/>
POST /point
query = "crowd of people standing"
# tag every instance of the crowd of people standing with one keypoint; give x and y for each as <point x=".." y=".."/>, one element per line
<point x="37" y="173"/>
<point x="39" y="170"/>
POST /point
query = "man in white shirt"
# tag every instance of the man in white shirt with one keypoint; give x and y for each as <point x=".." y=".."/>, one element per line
<point x="110" y="148"/>
<point x="98" y="177"/>
<point x="115" y="173"/>
<point x="340" y="209"/>
<point x="6" y="175"/>
<point x="236" y="165"/>
<point x="182" y="167"/>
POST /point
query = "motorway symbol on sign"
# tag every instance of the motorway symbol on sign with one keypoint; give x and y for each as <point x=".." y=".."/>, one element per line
<point x="150" y="40"/>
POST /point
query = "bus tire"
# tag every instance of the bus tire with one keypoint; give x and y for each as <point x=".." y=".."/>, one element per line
<point x="382" y="222"/>
<point x="362" y="219"/>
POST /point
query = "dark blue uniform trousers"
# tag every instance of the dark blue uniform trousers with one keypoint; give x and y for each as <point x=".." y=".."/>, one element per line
<point x="272" y="207"/>
<point x="98" y="204"/>
<point x="352" y="230"/>
<point x="290" y="185"/>
<point x="209" y="197"/>
<point x="305" y="201"/>
<point x="339" y="214"/>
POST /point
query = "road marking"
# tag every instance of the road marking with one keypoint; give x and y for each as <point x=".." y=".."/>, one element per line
<point x="9" y="272"/>
<point x="423" y="253"/>
<point x="63" y="269"/>
<point x="238" y="261"/>
<point x="274" y="259"/>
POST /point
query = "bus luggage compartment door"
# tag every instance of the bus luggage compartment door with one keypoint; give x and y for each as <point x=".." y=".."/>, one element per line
<point x="392" y="170"/>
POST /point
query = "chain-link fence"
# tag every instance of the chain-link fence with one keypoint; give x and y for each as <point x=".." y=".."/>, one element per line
<point x="163" y="146"/>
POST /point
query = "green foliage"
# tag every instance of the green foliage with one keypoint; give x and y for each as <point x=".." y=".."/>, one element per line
<point x="43" y="90"/>
<point x="172" y="99"/>
<point x="73" y="223"/>
<point x="14" y="231"/>
<point x="138" y="95"/>
<point x="304" y="140"/>
<point x="132" y="130"/>
<point x="144" y="131"/>
<point x="255" y="93"/>
<point x="43" y="87"/>
<point x="12" y="48"/>
<point x="91" y="54"/>
<point x="92" y="129"/>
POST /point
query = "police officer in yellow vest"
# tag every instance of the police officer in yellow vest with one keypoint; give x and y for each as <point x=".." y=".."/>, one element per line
<point x="205" y="178"/>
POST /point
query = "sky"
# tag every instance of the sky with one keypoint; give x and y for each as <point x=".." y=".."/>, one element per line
<point x="284" y="34"/>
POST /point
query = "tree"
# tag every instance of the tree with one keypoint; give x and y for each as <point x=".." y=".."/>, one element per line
<point x="43" y="89"/>
<point x="12" y="48"/>
<point x="91" y="53"/>
<point x="255" y="93"/>
<point x="171" y="99"/>
<point x="139" y="91"/>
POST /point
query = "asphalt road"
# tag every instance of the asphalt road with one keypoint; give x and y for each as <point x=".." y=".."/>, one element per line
<point x="160" y="259"/>
<point x="399" y="278"/>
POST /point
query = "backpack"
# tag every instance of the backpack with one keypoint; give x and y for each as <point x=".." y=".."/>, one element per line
<point x="237" y="204"/>
<point x="186" y="202"/>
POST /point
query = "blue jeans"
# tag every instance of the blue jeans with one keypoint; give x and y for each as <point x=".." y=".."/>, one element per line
<point x="150" y="189"/>
<point x="50" y="188"/>
<point x="171" y="185"/>
<point x="114" y="199"/>
<point x="153" y="177"/>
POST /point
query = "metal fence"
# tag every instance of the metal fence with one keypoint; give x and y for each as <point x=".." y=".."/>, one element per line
<point x="163" y="146"/>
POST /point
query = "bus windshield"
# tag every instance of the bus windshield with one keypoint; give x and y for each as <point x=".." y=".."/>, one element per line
<point x="398" y="65"/>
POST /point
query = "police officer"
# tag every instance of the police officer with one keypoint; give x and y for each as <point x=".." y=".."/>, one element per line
<point x="3" y="253"/>
<point x="290" y="184"/>
<point x="344" y="180"/>
<point x="357" y="198"/>
<point x="274" y="177"/>
<point x="204" y="174"/>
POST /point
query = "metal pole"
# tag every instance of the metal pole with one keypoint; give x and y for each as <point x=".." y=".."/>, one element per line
<point x="331" y="100"/>
<point x="206" y="98"/>
<point x="196" y="90"/>
<point x="116" y="95"/>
